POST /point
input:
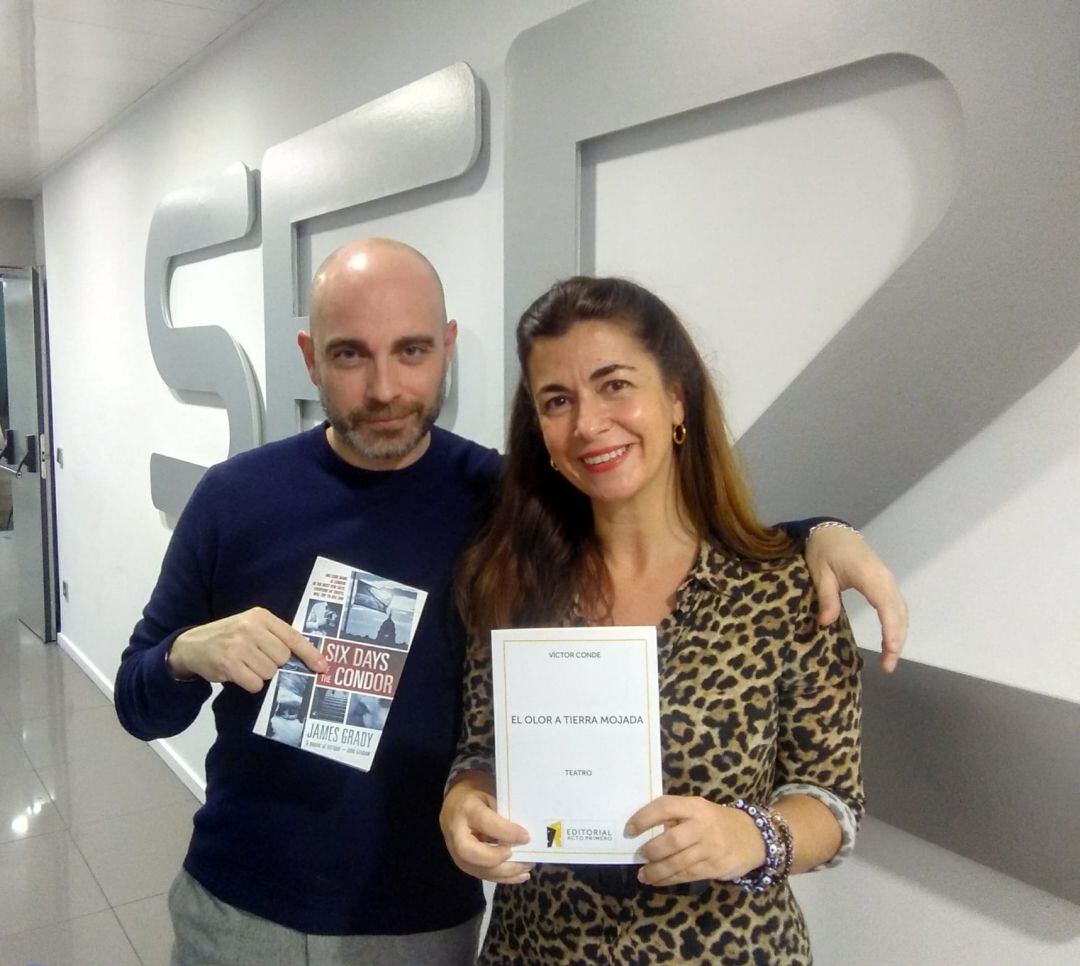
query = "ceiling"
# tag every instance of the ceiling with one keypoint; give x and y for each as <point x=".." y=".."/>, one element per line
<point x="68" y="68"/>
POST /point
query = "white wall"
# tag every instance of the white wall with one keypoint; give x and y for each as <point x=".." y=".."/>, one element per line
<point x="983" y="544"/>
<point x="16" y="233"/>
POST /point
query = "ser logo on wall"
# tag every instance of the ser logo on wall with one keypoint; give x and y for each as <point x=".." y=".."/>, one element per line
<point x="948" y="312"/>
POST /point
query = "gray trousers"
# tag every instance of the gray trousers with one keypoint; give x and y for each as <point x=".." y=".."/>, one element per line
<point x="209" y="932"/>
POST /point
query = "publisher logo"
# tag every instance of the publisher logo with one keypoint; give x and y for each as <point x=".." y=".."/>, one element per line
<point x="580" y="835"/>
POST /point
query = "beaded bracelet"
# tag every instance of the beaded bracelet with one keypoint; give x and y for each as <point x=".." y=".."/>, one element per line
<point x="779" y="849"/>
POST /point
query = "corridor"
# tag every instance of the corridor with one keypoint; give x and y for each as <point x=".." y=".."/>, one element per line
<point x="93" y="825"/>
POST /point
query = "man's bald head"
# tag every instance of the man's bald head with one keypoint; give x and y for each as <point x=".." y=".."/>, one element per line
<point x="378" y="349"/>
<point x="355" y="273"/>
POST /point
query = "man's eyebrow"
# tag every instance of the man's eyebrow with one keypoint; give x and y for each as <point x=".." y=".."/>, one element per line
<point x="601" y="373"/>
<point x="403" y="343"/>
<point x="358" y="345"/>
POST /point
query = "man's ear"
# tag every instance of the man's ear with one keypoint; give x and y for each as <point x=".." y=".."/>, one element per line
<point x="450" y="338"/>
<point x="307" y="350"/>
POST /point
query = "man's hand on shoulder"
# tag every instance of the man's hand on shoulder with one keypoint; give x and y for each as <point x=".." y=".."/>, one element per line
<point x="840" y="559"/>
<point x="245" y="649"/>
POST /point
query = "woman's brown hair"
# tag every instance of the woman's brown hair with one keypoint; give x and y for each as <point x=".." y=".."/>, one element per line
<point x="539" y="549"/>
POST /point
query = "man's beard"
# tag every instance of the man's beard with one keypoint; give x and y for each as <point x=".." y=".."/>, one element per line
<point x="358" y="431"/>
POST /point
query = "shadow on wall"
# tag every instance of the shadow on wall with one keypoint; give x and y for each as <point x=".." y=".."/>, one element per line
<point x="934" y="743"/>
<point x="952" y="886"/>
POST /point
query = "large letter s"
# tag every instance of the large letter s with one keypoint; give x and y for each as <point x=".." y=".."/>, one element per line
<point x="202" y="358"/>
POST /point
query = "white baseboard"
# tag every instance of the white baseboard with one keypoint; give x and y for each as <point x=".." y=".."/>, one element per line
<point x="162" y="747"/>
<point x="179" y="768"/>
<point x="71" y="649"/>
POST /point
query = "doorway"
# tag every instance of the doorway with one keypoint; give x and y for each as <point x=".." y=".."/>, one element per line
<point x="27" y="462"/>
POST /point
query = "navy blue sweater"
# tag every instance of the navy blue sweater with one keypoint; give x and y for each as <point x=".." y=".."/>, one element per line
<point x="287" y="835"/>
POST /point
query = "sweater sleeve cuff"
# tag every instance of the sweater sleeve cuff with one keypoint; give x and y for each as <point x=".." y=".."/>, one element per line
<point x="468" y="763"/>
<point x="840" y="809"/>
<point x="161" y="682"/>
<point x="799" y="530"/>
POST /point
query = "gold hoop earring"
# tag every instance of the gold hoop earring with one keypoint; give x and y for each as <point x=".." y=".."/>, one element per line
<point x="678" y="434"/>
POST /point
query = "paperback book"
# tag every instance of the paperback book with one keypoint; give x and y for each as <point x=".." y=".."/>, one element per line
<point x="363" y="624"/>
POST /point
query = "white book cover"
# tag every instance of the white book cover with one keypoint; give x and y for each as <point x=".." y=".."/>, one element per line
<point x="577" y="739"/>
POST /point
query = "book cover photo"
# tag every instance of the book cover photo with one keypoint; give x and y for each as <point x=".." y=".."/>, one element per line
<point x="364" y="625"/>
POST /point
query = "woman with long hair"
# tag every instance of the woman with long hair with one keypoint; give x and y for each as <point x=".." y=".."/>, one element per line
<point x="622" y="503"/>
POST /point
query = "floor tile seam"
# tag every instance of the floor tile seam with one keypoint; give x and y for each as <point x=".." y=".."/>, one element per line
<point x="23" y="933"/>
<point x="127" y="938"/>
<point x="137" y="753"/>
<point x="39" y="674"/>
<point x="26" y="836"/>
<point x="59" y="922"/>
<point x="23" y="718"/>
<point x="68" y="823"/>
<point x="135" y="902"/>
<point x="134" y="750"/>
<point x="36" y="658"/>
<point x="4" y="773"/>
<point x="127" y="935"/>
<point x="63" y="818"/>
<point x="64" y="827"/>
<point x="37" y="765"/>
<point x="93" y="874"/>
<point x="137" y="811"/>
<point x="24" y="668"/>
<point x="126" y="813"/>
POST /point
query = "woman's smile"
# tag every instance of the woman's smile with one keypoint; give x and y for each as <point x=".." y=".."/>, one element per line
<point x="605" y="460"/>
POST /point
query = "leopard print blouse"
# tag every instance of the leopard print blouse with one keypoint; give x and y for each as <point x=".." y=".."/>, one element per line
<point x="754" y="695"/>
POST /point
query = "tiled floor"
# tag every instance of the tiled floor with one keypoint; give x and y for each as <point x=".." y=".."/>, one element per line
<point x="93" y="826"/>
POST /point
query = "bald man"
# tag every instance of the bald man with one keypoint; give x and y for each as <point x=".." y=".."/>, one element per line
<point x="296" y="859"/>
<point x="293" y="858"/>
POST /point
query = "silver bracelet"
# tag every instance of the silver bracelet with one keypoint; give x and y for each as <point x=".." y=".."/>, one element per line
<point x="831" y="523"/>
